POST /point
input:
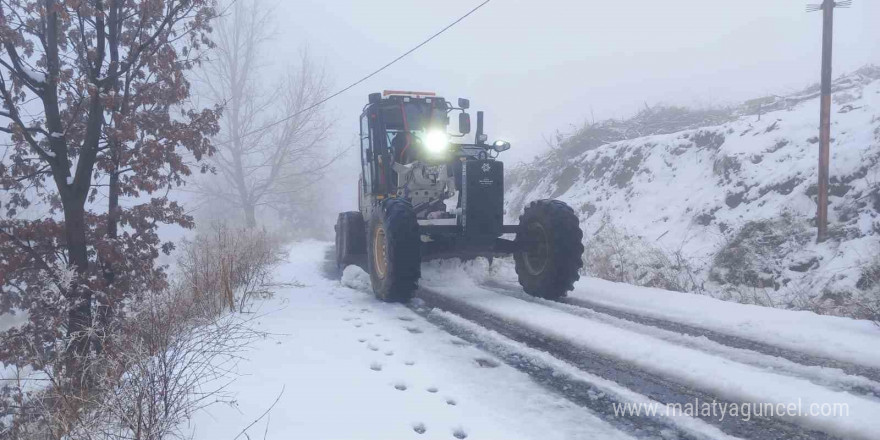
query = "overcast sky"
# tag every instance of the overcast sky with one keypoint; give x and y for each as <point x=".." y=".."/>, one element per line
<point x="538" y="66"/>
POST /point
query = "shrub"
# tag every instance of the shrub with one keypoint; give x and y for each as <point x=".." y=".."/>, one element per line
<point x="867" y="303"/>
<point x="229" y="266"/>
<point x="755" y="255"/>
<point x="614" y="255"/>
<point x="167" y="359"/>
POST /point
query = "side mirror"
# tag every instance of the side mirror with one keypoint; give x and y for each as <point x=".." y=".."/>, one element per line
<point x="500" y="146"/>
<point x="464" y="104"/>
<point x="464" y="123"/>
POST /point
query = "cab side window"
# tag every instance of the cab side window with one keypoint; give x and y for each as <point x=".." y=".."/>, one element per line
<point x="366" y="165"/>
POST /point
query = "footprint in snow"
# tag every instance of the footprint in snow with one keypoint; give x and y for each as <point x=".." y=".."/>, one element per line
<point x="419" y="428"/>
<point x="409" y="363"/>
<point x="404" y="318"/>
<point x="375" y="366"/>
<point x="362" y="340"/>
<point x="459" y="433"/>
<point x="432" y="389"/>
<point x="378" y="335"/>
<point x="459" y="342"/>
<point x="400" y="386"/>
<point x="372" y="347"/>
<point x="358" y="325"/>
<point x="414" y="330"/>
<point x="387" y="340"/>
<point x="451" y="402"/>
<point x="389" y="353"/>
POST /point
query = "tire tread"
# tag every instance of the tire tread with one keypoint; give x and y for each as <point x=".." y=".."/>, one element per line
<point x="566" y="245"/>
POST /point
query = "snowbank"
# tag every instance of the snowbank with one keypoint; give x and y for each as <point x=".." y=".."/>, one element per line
<point x="736" y="199"/>
<point x="827" y="336"/>
<point x="355" y="278"/>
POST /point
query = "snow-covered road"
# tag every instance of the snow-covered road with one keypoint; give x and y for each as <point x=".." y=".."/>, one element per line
<point x="351" y="367"/>
<point x="475" y="357"/>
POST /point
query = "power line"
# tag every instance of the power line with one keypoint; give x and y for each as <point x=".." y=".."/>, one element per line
<point x="374" y="73"/>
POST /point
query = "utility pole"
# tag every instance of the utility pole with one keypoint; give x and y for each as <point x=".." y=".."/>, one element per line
<point x="827" y="8"/>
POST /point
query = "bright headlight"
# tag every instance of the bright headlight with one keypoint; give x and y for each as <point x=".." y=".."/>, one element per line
<point x="436" y="142"/>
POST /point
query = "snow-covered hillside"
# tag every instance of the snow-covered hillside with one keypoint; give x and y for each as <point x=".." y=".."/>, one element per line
<point x="725" y="205"/>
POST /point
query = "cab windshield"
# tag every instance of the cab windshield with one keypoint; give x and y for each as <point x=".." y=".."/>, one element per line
<point x="417" y="117"/>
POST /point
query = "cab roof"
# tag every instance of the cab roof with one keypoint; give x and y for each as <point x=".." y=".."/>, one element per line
<point x="387" y="93"/>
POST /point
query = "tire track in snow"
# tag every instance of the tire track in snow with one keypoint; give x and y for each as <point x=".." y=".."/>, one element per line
<point x="648" y="384"/>
<point x="651" y="385"/>
<point x="733" y="341"/>
<point x="716" y="344"/>
<point x="583" y="392"/>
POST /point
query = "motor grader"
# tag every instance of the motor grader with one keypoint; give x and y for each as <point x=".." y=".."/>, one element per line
<point x="423" y="196"/>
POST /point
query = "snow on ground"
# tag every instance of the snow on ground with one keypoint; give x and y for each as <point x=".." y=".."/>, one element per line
<point x="351" y="367"/>
<point x="833" y="337"/>
<point x="562" y="369"/>
<point x="834" y="378"/>
<point x="828" y="336"/>
<point x="723" y="377"/>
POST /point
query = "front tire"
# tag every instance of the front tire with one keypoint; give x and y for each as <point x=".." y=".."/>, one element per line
<point x="550" y="249"/>
<point x="394" y="251"/>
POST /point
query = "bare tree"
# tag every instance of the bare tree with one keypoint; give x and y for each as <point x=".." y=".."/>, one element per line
<point x="265" y="157"/>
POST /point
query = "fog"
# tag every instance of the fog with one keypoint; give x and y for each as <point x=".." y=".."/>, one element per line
<point x="538" y="67"/>
<point x="138" y="213"/>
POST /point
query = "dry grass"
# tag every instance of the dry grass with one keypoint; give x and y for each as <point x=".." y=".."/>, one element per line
<point x="173" y="355"/>
<point x="614" y="255"/>
<point x="227" y="267"/>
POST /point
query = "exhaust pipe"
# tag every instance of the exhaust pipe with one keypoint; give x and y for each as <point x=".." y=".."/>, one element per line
<point x="480" y="137"/>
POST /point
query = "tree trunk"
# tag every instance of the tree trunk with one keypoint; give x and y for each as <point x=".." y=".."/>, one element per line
<point x="250" y="216"/>
<point x="105" y="302"/>
<point x="79" y="296"/>
<point x="105" y="310"/>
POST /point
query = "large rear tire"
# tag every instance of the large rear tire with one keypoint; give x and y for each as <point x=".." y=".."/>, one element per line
<point x="351" y="240"/>
<point x="394" y="251"/>
<point x="551" y="251"/>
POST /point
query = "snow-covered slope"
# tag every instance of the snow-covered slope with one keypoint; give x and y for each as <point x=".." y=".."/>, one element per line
<point x="726" y="209"/>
